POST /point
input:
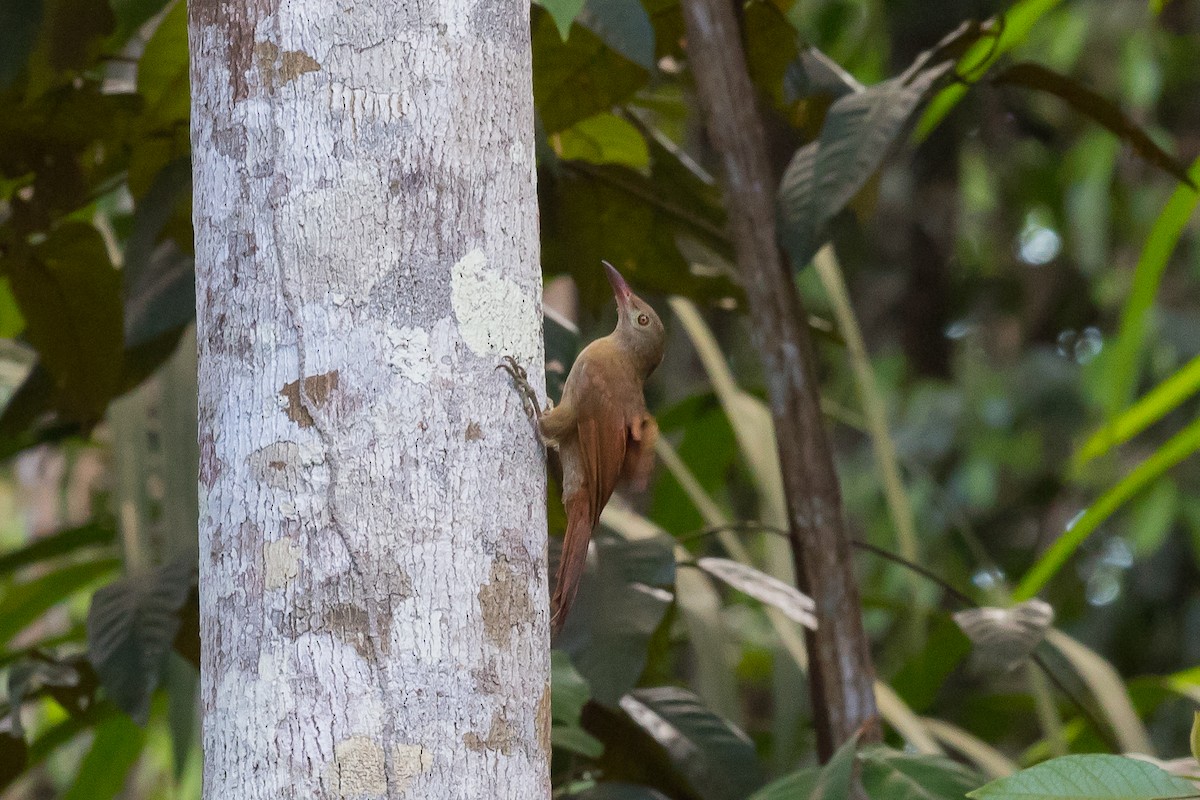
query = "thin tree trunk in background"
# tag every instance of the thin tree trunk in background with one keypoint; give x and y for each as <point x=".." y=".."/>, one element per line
<point x="374" y="613"/>
<point x="840" y="669"/>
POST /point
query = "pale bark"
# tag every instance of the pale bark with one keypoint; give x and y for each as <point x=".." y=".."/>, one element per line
<point x="372" y="563"/>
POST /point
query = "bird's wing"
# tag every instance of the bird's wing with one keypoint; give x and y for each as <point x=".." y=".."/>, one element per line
<point x="597" y="452"/>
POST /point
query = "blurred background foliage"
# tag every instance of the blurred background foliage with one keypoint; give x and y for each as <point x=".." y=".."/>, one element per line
<point x="1009" y="332"/>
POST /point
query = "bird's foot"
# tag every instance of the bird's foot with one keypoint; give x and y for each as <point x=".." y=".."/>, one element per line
<point x="520" y="379"/>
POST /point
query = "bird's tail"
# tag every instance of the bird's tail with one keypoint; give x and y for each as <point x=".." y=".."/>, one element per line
<point x="580" y="522"/>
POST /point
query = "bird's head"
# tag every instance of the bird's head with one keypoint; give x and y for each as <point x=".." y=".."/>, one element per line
<point x="639" y="329"/>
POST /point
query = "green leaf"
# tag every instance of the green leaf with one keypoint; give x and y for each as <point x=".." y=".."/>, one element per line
<point x="19" y="26"/>
<point x="605" y="139"/>
<point x="1012" y="29"/>
<point x="131" y="626"/>
<point x="716" y="759"/>
<point x="569" y="691"/>
<point x="57" y="544"/>
<point x="159" y="280"/>
<point x="162" y="77"/>
<point x="1194" y="739"/>
<point x="1174" y="450"/>
<point x="1099" y="108"/>
<point x="798" y="606"/>
<point x="24" y="603"/>
<point x="70" y="296"/>
<point x="620" y="605"/>
<point x="575" y="739"/>
<point x="896" y="775"/>
<point x="1088" y="777"/>
<point x="564" y="13"/>
<point x="860" y="131"/>
<point x="12" y="322"/>
<point x="71" y="38"/>
<point x="1153" y="406"/>
<point x="1122" y="359"/>
<point x="105" y="768"/>
<point x="799" y="785"/>
<point x="576" y="79"/>
<point x="182" y="683"/>
<point x="624" y="26"/>
<point x="837" y="775"/>
<point x="132" y="14"/>
<point x="922" y="676"/>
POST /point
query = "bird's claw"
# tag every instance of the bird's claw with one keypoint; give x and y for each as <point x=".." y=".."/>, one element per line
<point x="520" y="379"/>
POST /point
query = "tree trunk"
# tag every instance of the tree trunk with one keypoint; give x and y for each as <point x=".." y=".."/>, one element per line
<point x="374" y="612"/>
<point x="841" y="675"/>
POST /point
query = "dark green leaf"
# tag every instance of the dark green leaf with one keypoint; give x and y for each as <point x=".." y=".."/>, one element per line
<point x="922" y="676"/>
<point x="860" y="130"/>
<point x="716" y="759"/>
<point x="71" y="39"/>
<point x="132" y="14"/>
<point x="569" y="691"/>
<point x="160" y="281"/>
<point x="575" y="739"/>
<point x="896" y="775"/>
<point x="20" y="21"/>
<point x="797" y="786"/>
<point x="105" y="768"/>
<point x="24" y="603"/>
<point x="564" y="13"/>
<point x="1088" y="777"/>
<point x="575" y="79"/>
<point x="620" y="604"/>
<point x="1086" y="101"/>
<point x="624" y="26"/>
<point x="604" y="139"/>
<point x="131" y="626"/>
<point x="58" y="544"/>
<point x="182" y="683"/>
<point x="162" y="77"/>
<point x="70" y="296"/>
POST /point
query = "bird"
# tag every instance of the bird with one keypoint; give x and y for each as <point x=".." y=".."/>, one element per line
<point x="601" y="427"/>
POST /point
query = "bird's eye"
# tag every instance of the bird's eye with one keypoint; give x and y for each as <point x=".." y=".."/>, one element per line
<point x="643" y="320"/>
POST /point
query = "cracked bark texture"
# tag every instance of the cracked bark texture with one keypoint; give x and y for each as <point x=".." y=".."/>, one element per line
<point x="374" y="610"/>
<point x="840" y="671"/>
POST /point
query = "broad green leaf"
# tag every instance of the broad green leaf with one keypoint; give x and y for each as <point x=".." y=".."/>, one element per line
<point x="11" y="320"/>
<point x="1174" y="450"/>
<point x="1004" y="637"/>
<point x="1086" y="101"/>
<point x="19" y="26"/>
<point x="624" y="26"/>
<point x="860" y="130"/>
<point x="132" y="14"/>
<point x="896" y="775"/>
<point x="70" y="295"/>
<point x="1156" y="404"/>
<point x="24" y="603"/>
<point x="605" y="139"/>
<point x="922" y="676"/>
<point x="159" y="280"/>
<point x="105" y="768"/>
<point x="987" y="758"/>
<point x="620" y="604"/>
<point x="1122" y="359"/>
<point x="569" y="691"/>
<point x="131" y="626"/>
<point x="791" y="601"/>
<point x="57" y="544"/>
<point x="162" y="77"/>
<point x="716" y="759"/>
<point x="1194" y="739"/>
<point x="576" y="740"/>
<point x="578" y="78"/>
<point x="1088" y="777"/>
<point x="564" y="13"/>
<point x="797" y="786"/>
<point x="836" y="777"/>
<point x="1011" y="30"/>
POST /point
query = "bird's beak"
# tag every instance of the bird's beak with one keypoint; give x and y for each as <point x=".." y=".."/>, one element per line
<point x="621" y="289"/>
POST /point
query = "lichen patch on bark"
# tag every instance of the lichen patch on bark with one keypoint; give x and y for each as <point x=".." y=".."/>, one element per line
<point x="281" y="562"/>
<point x="474" y="432"/>
<point x="358" y="769"/>
<point x="409" y="761"/>
<point x="278" y="67"/>
<point x="504" y="600"/>
<point x="495" y="315"/>
<point x="317" y="389"/>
